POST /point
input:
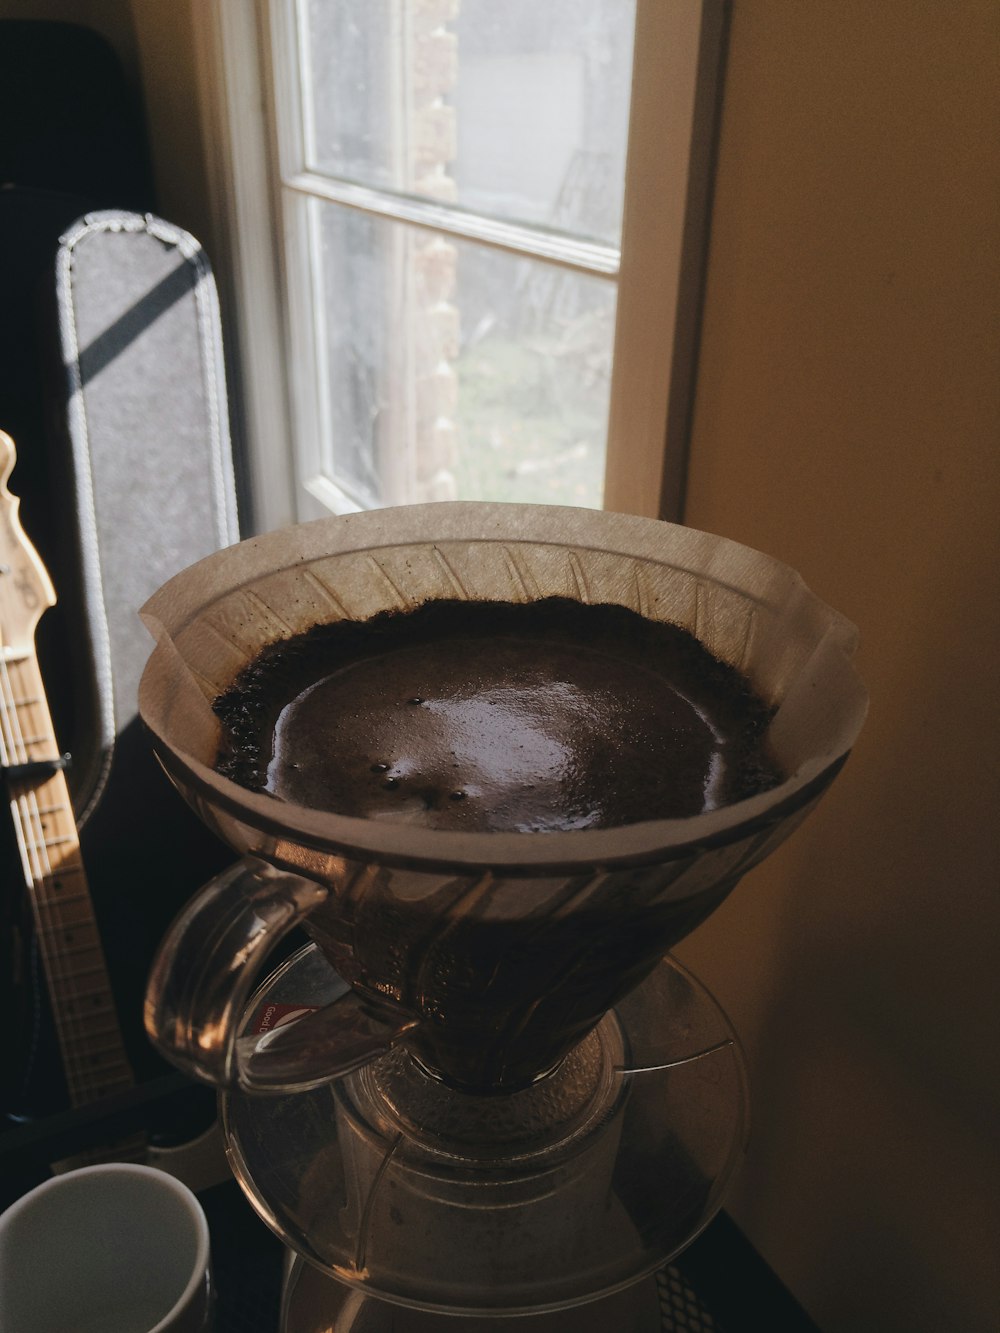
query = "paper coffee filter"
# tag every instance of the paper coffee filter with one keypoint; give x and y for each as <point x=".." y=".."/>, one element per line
<point x="747" y="608"/>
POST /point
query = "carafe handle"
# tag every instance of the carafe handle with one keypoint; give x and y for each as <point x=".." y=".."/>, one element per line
<point x="205" y="970"/>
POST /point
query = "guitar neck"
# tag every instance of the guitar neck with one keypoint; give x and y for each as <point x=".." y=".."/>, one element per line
<point x="93" y="1054"/>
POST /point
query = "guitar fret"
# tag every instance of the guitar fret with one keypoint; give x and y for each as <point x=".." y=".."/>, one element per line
<point x="91" y="994"/>
<point x="86" y="1014"/>
<point x="74" y="912"/>
<point x="67" y="864"/>
<point x="70" y="1035"/>
<point x="73" y="1002"/>
<point x="68" y="860"/>
<point x="76" y="1023"/>
<point x="66" y="899"/>
<point x="98" y="1054"/>
<point x="48" y="888"/>
<point x="66" y="867"/>
<point x="94" y="1059"/>
<point x="74" y="927"/>
<point x="78" y="1052"/>
<point x="76" y="949"/>
<point x="71" y="922"/>
<point x="82" y="972"/>
<point x="43" y="823"/>
<point x="84" y="1062"/>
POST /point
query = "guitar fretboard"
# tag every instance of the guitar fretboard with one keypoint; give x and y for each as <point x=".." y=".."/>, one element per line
<point x="94" y="1059"/>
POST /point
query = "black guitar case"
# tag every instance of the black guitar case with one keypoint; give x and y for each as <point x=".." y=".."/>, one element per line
<point x="113" y="387"/>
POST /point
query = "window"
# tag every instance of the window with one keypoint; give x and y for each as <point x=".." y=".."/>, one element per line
<point x="467" y="243"/>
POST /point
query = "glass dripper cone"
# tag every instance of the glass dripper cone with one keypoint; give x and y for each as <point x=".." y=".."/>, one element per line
<point x="491" y="955"/>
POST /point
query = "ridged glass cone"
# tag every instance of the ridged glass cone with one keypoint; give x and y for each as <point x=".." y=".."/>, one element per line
<point x="563" y="923"/>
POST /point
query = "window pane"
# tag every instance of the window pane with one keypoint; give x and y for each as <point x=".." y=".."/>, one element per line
<point x="454" y="370"/>
<point x="517" y="109"/>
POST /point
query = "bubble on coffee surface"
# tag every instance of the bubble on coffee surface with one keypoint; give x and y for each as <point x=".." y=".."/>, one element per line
<point x="491" y="716"/>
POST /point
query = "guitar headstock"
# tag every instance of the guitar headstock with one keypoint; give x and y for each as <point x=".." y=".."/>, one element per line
<point x="25" y="587"/>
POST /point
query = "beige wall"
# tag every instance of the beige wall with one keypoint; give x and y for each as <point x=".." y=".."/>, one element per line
<point x="165" y="36"/>
<point x="848" y="421"/>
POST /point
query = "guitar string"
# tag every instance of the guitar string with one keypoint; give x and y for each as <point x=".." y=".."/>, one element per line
<point x="101" y="1074"/>
<point x="89" y="1077"/>
<point x="33" y="849"/>
<point x="86" y="1081"/>
<point x="40" y="866"/>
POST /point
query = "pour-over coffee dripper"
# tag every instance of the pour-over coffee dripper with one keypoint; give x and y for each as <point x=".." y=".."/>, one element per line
<point x="531" y="1078"/>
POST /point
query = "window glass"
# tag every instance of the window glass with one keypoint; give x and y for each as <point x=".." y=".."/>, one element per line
<point x="457" y="370"/>
<point x="518" y="110"/>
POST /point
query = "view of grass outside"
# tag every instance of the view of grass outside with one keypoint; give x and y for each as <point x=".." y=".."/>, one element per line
<point x="533" y="375"/>
<point x="518" y="441"/>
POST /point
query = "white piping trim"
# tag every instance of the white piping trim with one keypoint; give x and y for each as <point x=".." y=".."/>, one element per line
<point x="223" y="485"/>
<point x="90" y="549"/>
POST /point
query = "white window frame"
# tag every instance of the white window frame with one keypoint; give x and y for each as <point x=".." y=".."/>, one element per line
<point x="676" y="95"/>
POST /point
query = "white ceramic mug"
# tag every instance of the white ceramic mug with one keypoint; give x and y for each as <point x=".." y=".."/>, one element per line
<point x="116" y="1248"/>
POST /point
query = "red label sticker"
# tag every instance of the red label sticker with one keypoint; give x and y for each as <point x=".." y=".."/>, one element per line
<point x="270" y="1016"/>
